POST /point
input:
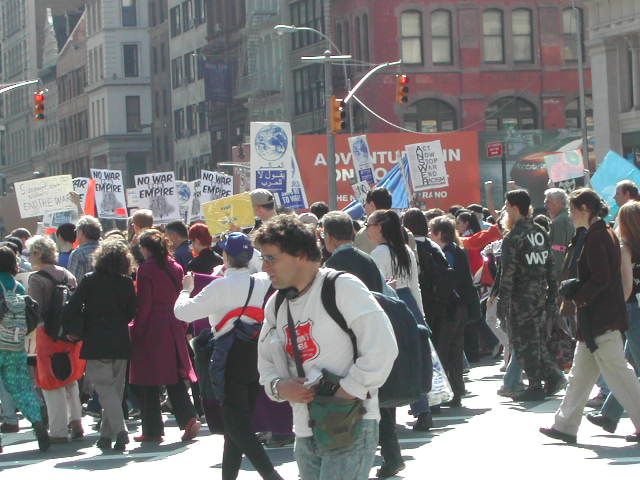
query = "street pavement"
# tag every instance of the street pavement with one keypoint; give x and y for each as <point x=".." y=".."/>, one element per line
<point x="489" y="437"/>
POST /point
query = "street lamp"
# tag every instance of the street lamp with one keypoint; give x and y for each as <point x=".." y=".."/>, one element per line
<point x="327" y="59"/>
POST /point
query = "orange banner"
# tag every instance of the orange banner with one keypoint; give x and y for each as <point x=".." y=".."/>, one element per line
<point x="460" y="148"/>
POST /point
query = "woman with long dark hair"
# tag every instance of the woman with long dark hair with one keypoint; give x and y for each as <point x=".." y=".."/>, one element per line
<point x="602" y="318"/>
<point x="160" y="355"/>
<point x="467" y="223"/>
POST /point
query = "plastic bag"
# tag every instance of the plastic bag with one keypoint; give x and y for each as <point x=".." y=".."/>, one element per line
<point x="440" y="388"/>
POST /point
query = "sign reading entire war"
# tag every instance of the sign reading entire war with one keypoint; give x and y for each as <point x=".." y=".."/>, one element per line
<point x="223" y="214"/>
<point x="110" y="200"/>
<point x="44" y="195"/>
<point x="158" y="193"/>
<point x="461" y="158"/>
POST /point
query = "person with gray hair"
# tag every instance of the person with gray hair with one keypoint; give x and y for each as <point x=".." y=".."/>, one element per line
<point x="562" y="231"/>
<point x="88" y="232"/>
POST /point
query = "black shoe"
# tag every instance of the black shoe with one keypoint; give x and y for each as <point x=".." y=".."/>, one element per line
<point x="279" y="441"/>
<point x="435" y="410"/>
<point x="104" y="443"/>
<point x="455" y="402"/>
<point x="390" y="469"/>
<point x="553" y="433"/>
<point x="122" y="439"/>
<point x="273" y="476"/>
<point x="633" y="438"/>
<point x="602" y="421"/>
<point x="531" y="394"/>
<point x="42" y="435"/>
<point x="554" y="386"/>
<point x="424" y="423"/>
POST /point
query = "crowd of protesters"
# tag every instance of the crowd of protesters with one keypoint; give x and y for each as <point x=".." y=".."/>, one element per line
<point x="235" y="331"/>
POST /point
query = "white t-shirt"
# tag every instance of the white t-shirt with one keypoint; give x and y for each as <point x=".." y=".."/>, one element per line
<point x="324" y="345"/>
<point x="382" y="256"/>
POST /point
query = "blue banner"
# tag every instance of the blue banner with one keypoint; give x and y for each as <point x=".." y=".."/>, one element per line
<point x="217" y="82"/>
<point x="273" y="180"/>
<point x="613" y="169"/>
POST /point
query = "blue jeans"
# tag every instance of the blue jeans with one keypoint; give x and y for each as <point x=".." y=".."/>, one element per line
<point x="612" y="408"/>
<point x="513" y="375"/>
<point x="352" y="463"/>
<point x="8" y="406"/>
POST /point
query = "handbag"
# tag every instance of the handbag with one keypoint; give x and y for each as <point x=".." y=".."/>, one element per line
<point x="336" y="423"/>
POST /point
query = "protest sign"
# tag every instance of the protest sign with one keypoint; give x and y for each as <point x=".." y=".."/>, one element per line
<point x="360" y="191"/>
<point x="271" y="155"/>
<point x="296" y="197"/>
<point x="110" y="201"/>
<point x="236" y="211"/>
<point x="158" y="193"/>
<point x="613" y="169"/>
<point x="44" y="195"/>
<point x="133" y="198"/>
<point x="362" y="159"/>
<point x="81" y="187"/>
<point x="427" y="166"/>
<point x="195" y="213"/>
<point x="215" y="185"/>
<point x="563" y="166"/>
<point x="185" y="199"/>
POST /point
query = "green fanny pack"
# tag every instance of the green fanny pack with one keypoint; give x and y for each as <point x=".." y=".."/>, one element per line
<point x="336" y="422"/>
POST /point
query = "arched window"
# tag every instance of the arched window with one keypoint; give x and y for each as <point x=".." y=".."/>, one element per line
<point x="511" y="113"/>
<point x="522" y="34"/>
<point x="441" y="51"/>
<point x="411" y="37"/>
<point x="493" y="36"/>
<point x="572" y="113"/>
<point x="570" y="25"/>
<point x="430" y="116"/>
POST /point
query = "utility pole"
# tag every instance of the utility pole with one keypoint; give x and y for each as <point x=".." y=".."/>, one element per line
<point x="583" y="108"/>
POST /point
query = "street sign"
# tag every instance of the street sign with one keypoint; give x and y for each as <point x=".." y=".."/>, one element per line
<point x="495" y="149"/>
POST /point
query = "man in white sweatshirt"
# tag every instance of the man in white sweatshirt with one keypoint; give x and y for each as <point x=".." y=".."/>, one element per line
<point x="292" y="259"/>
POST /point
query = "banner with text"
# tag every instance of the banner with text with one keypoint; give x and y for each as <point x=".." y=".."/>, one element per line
<point x="460" y="152"/>
<point x="44" y="195"/>
<point x="361" y="159"/>
<point x="427" y="166"/>
<point x="223" y="214"/>
<point x="110" y="201"/>
<point x="81" y="187"/>
<point x="158" y="193"/>
<point x="296" y="197"/>
<point x="271" y="156"/>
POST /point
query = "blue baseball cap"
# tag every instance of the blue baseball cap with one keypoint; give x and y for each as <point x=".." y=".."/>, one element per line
<point x="236" y="243"/>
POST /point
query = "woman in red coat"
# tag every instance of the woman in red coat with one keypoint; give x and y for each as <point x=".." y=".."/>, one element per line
<point x="160" y="355"/>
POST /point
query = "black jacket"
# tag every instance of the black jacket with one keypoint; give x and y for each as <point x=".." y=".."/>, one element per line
<point x="205" y="262"/>
<point x="99" y="313"/>
<point x="358" y="263"/>
<point x="468" y="295"/>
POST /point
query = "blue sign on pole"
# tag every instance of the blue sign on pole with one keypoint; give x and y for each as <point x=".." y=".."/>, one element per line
<point x="217" y="82"/>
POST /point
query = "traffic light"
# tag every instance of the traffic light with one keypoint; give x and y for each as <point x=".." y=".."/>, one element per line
<point x="39" y="106"/>
<point x="402" y="89"/>
<point x="338" y="114"/>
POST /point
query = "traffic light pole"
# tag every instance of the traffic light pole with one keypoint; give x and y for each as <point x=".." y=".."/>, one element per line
<point x="331" y="138"/>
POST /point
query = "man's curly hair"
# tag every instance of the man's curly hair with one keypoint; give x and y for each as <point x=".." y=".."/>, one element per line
<point x="291" y="236"/>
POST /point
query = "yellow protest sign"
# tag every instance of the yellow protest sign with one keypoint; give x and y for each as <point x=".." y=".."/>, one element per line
<point x="220" y="215"/>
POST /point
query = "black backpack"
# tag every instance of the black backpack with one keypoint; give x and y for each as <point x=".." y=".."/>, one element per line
<point x="438" y="280"/>
<point x="412" y="370"/>
<point x="53" y="320"/>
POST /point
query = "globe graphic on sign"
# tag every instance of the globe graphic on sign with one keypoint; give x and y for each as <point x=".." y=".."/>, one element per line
<point x="271" y="142"/>
<point x="184" y="192"/>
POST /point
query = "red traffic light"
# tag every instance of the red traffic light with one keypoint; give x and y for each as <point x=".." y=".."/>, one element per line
<point x="404" y="79"/>
<point x="39" y="97"/>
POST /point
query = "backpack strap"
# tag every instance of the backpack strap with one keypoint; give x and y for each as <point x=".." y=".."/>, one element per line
<point x="48" y="276"/>
<point x="328" y="296"/>
<point x="280" y="297"/>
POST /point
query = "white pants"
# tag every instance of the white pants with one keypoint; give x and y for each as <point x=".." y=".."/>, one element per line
<point x="609" y="361"/>
<point x="495" y="325"/>
<point x="63" y="406"/>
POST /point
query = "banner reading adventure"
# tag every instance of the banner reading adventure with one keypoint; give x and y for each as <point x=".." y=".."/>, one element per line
<point x="110" y="201"/>
<point x="223" y="214"/>
<point x="271" y="155"/>
<point x="158" y="193"/>
<point x="44" y="195"/>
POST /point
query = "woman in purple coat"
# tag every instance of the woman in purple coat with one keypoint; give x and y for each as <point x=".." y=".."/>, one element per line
<point x="160" y="355"/>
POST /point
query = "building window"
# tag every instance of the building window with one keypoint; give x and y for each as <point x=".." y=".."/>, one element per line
<point x="176" y="72"/>
<point x="187" y="24"/>
<point x="203" y="124"/>
<point x="176" y="26"/>
<point x="441" y="44"/>
<point x="152" y="12"/>
<point x="198" y="12"/>
<point x="178" y="122"/>
<point x="411" y="37"/>
<point x="572" y="113"/>
<point x="133" y="114"/>
<point x="162" y="14"/>
<point x="365" y="38"/>
<point x="358" y="38"/>
<point x="189" y="68"/>
<point x="308" y="89"/>
<point x="522" y="34"/>
<point x="431" y="116"/>
<point x="191" y="124"/>
<point x="165" y="102"/>
<point x="156" y="104"/>
<point x="163" y="57"/>
<point x="154" y="60"/>
<point x="130" y="55"/>
<point x="511" y="113"/>
<point x="570" y="33"/>
<point x="306" y="13"/>
<point x="493" y="37"/>
<point x="129" y="17"/>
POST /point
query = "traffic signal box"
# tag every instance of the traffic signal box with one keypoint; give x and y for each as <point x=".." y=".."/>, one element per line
<point x="338" y="114"/>
<point x="402" y="89"/>
<point x="39" y="106"/>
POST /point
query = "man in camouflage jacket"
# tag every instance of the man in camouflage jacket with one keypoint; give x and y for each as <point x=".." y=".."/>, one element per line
<point x="528" y="291"/>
